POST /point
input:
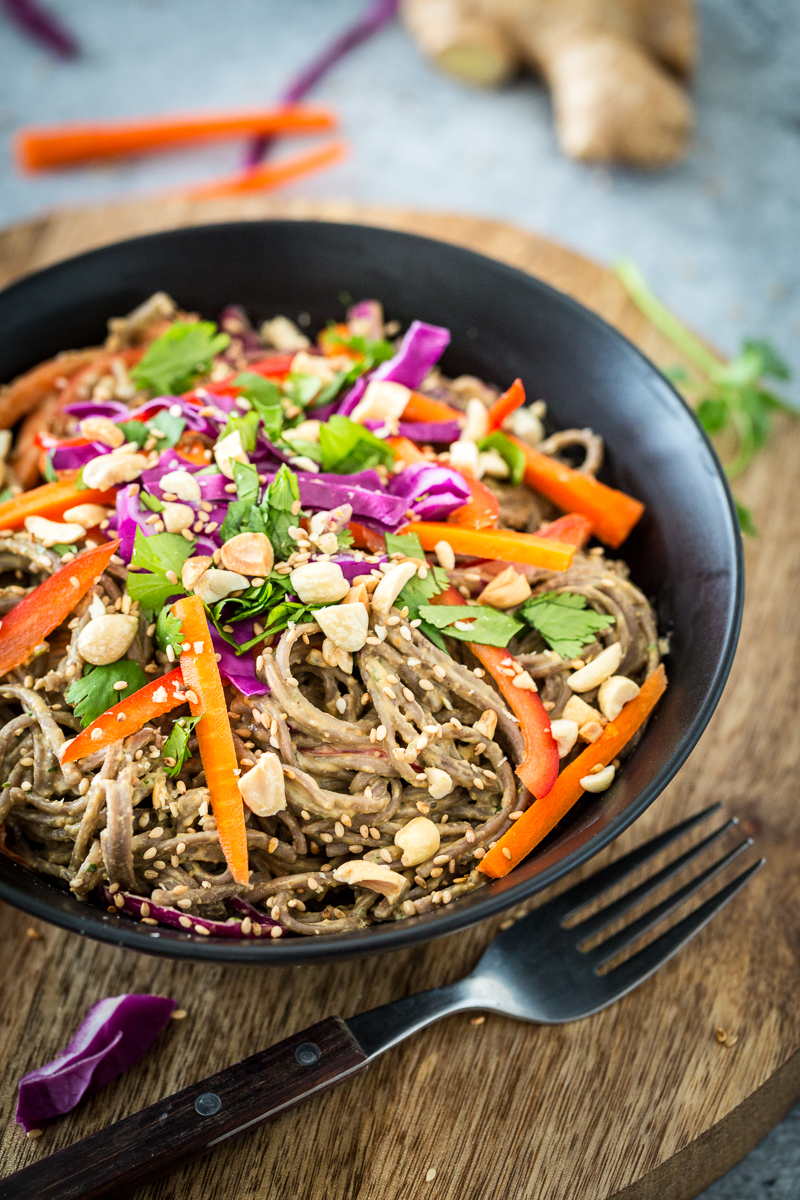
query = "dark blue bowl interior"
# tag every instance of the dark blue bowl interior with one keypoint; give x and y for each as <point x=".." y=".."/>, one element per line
<point x="685" y="554"/>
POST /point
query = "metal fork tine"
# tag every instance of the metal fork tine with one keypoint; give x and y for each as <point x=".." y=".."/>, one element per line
<point x="626" y="937"/>
<point x="617" y="908"/>
<point x="589" y="889"/>
<point x="636" y="969"/>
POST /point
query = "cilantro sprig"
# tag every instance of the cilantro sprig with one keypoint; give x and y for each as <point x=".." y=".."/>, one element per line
<point x="347" y="447"/>
<point x="513" y="454"/>
<point x="728" y="397"/>
<point x="94" y="693"/>
<point x="417" y="593"/>
<point x="472" y="623"/>
<point x="156" y="555"/>
<point x="564" y="621"/>
<point x="179" y="356"/>
<point x="176" y="747"/>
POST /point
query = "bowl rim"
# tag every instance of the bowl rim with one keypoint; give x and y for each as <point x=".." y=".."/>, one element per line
<point x="497" y="895"/>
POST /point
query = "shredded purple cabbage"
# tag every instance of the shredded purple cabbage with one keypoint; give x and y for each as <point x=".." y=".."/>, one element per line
<point x="113" y="1036"/>
<point x="70" y="458"/>
<point x="42" y="26"/>
<point x="175" y="918"/>
<point x="113" y="409"/>
<point x="430" y="431"/>
<point x="420" y="349"/>
<point x="378" y="14"/>
<point x="240" y="670"/>
<point x="129" y="518"/>
<point x="431" y="492"/>
<point x="353" y="567"/>
<point x="370" y="312"/>
<point x="323" y="492"/>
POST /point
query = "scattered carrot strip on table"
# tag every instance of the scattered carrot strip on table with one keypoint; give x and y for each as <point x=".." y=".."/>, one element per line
<point x="506" y="404"/>
<point x="425" y="408"/>
<point x="482" y="510"/>
<point x="129" y="716"/>
<point x="270" y="175"/>
<point x="50" y="500"/>
<point x="612" y="513"/>
<point x="39" y="148"/>
<point x="543" y="816"/>
<point x="207" y="700"/>
<point x="504" y="544"/>
<point x="405" y="451"/>
<point x="38" y="613"/>
<point x="572" y="528"/>
<point x="539" y="768"/>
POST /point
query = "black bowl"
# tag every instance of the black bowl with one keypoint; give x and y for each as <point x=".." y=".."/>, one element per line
<point x="685" y="553"/>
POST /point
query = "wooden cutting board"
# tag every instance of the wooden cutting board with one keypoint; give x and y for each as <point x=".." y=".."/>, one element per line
<point x="640" y="1102"/>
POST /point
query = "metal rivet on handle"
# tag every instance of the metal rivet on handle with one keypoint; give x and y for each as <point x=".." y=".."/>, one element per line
<point x="207" y="1104"/>
<point x="307" y="1054"/>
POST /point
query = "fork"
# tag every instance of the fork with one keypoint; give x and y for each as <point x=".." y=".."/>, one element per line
<point x="538" y="969"/>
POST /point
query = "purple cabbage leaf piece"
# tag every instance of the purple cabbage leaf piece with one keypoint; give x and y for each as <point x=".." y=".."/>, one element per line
<point x="420" y="349"/>
<point x="239" y="670"/>
<point x="130" y="518"/>
<point x="431" y="492"/>
<point x="71" y="458"/>
<point x="174" y="918"/>
<point x="113" y="1036"/>
<point x="430" y="431"/>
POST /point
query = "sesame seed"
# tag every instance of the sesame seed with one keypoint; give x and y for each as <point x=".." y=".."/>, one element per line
<point x="477" y="1020"/>
<point x="430" y="1174"/>
<point x="387" y="691"/>
<point x="507" y="853"/>
<point x="272" y="845"/>
<point x="426" y="685"/>
<point x="26" y="787"/>
<point x="385" y="855"/>
<point x="441" y="859"/>
<point x="380" y="733"/>
<point x="156" y="833"/>
<point x="119" y="901"/>
<point x="276" y="932"/>
<point x="145" y="909"/>
<point x="407" y="692"/>
<point x="192" y="697"/>
<point x="312" y="883"/>
<point x="202" y="929"/>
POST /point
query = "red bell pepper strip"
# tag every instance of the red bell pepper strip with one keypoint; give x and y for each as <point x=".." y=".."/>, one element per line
<point x="506" y="404"/>
<point x="612" y="513"/>
<point x="50" y="500"/>
<point x="207" y="700"/>
<point x="503" y="544"/>
<point x="538" y="820"/>
<point x="425" y="408"/>
<point x="482" y="510"/>
<point x="157" y="697"/>
<point x="572" y="528"/>
<point x="367" y="539"/>
<point x="276" y="366"/>
<point x="48" y="605"/>
<point x="539" y="768"/>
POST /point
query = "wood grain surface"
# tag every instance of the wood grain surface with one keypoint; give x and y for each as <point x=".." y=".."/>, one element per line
<point x="640" y="1102"/>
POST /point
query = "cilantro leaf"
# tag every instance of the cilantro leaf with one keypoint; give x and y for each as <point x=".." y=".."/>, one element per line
<point x="746" y="522"/>
<point x="168" y="631"/>
<point x="417" y="592"/>
<point x="300" y="447"/>
<point x="94" y="693"/>
<point x="278" y="510"/>
<point x="564" y="621"/>
<point x="166" y="428"/>
<point x="174" y="360"/>
<point x="248" y="429"/>
<point x="243" y="516"/>
<point x="404" y="543"/>
<point x="177" y="744"/>
<point x="49" y="470"/>
<point x="265" y="398"/>
<point x="512" y="454"/>
<point x="135" y="431"/>
<point x="266" y="602"/>
<point x="64" y="548"/>
<point x="301" y="389"/>
<point x="344" y="539"/>
<point x="348" y="447"/>
<point x="487" y="626"/>
<point x="158" y="553"/>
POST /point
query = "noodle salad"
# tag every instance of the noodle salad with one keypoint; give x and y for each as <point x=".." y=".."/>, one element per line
<point x="301" y="636"/>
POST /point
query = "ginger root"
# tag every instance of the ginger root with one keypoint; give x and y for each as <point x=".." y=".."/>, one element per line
<point x="610" y="65"/>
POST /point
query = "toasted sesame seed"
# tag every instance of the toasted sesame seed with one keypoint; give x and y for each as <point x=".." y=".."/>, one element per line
<point x="477" y="1020"/>
<point x="506" y="853"/>
<point x="426" y="685"/>
<point x="272" y="845"/>
<point x="380" y="733"/>
<point x="385" y="855"/>
<point x="276" y="932"/>
<point x="156" y="833"/>
<point x="119" y="901"/>
<point x="312" y="883"/>
<point x="34" y="1133"/>
<point x="430" y="1174"/>
<point x="387" y="691"/>
<point x="202" y="929"/>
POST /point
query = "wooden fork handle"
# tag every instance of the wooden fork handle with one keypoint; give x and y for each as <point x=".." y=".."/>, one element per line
<point x="183" y="1127"/>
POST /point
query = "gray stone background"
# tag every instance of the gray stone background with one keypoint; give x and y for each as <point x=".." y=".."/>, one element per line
<point x="716" y="236"/>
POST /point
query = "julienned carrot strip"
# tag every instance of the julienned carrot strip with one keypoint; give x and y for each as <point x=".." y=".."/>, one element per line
<point x="270" y="175"/>
<point x="48" y="605"/>
<point x="482" y="510"/>
<point x="506" y="404"/>
<point x="207" y="700"/>
<point x="503" y="544"/>
<point x="425" y="408"/>
<point x="129" y="716"/>
<point x="50" y="500"/>
<point x="543" y="816"/>
<point x="41" y="147"/>
<point x="572" y="528"/>
<point x="612" y="513"/>
<point x="539" y="768"/>
<point x="405" y="450"/>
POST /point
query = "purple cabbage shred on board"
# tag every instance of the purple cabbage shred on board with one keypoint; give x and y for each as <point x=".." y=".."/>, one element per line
<point x="114" y="1035"/>
<point x="420" y="349"/>
<point x="42" y="26"/>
